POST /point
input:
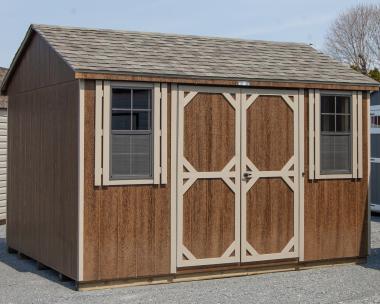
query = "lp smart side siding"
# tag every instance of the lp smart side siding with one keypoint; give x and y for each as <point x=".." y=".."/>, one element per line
<point x="336" y="214"/>
<point x="126" y="228"/>
<point x="43" y="159"/>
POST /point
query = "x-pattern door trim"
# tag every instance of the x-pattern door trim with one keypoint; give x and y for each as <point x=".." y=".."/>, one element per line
<point x="240" y="250"/>
<point x="287" y="173"/>
<point x="188" y="175"/>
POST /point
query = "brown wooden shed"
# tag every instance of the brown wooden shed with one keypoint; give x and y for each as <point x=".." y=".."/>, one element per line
<point x="148" y="158"/>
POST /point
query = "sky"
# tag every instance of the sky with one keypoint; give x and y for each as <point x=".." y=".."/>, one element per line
<point x="283" y="20"/>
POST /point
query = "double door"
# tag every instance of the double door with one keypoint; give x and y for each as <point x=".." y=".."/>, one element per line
<point x="237" y="175"/>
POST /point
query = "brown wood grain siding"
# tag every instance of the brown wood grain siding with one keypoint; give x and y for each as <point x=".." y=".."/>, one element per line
<point x="222" y="82"/>
<point x="40" y="66"/>
<point x="270" y="215"/>
<point x="270" y="202"/>
<point x="43" y="175"/>
<point x="335" y="210"/>
<point x="209" y="132"/>
<point x="126" y="228"/>
<point x="91" y="201"/>
<point x="209" y="218"/>
<point x="270" y="129"/>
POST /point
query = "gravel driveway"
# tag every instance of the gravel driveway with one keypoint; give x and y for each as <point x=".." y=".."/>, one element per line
<point x="20" y="282"/>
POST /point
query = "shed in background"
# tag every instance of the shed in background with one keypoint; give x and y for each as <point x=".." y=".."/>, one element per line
<point x="375" y="151"/>
<point x="3" y="152"/>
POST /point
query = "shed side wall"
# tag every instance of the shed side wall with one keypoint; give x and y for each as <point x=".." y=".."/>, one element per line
<point x="126" y="228"/>
<point x="43" y="160"/>
<point x="336" y="210"/>
<point x="3" y="164"/>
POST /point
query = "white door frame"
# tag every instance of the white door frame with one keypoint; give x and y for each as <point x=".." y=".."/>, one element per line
<point x="178" y="101"/>
<point x="286" y="173"/>
<point x="186" y="178"/>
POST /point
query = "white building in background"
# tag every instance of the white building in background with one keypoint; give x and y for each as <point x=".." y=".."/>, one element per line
<point x="375" y="152"/>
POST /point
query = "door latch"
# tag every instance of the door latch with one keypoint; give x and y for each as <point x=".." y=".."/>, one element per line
<point x="247" y="175"/>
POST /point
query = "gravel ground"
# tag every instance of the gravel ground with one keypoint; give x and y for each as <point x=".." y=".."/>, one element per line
<point x="20" y="282"/>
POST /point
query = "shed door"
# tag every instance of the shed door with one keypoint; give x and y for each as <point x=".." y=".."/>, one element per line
<point x="269" y="164"/>
<point x="208" y="189"/>
<point x="237" y="180"/>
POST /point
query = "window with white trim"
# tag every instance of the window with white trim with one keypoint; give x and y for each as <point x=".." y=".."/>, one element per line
<point x="130" y="133"/>
<point x="335" y="134"/>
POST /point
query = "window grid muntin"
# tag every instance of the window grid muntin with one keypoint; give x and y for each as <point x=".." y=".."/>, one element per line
<point x="132" y="132"/>
<point x="336" y="133"/>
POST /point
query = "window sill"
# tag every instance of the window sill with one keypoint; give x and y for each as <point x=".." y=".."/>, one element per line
<point x="124" y="182"/>
<point x="335" y="176"/>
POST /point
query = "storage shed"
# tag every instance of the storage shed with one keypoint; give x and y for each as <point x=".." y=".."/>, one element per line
<point x="149" y="158"/>
<point x="375" y="152"/>
<point x="3" y="152"/>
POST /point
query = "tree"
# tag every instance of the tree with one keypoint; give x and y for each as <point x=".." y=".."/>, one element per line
<point x="354" y="37"/>
<point x="375" y="74"/>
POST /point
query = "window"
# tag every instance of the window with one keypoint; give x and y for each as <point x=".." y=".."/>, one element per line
<point x="336" y="134"/>
<point x="131" y="133"/>
<point x="375" y="121"/>
<point x="335" y="130"/>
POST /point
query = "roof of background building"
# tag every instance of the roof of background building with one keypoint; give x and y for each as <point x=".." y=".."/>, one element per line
<point x="3" y="99"/>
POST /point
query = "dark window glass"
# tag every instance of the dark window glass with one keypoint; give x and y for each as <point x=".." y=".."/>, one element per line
<point x="141" y="99"/>
<point x="121" y="121"/>
<point x="141" y="120"/>
<point x="343" y="123"/>
<point x="131" y="133"/>
<point x="328" y="104"/>
<point x="121" y="98"/>
<point x="336" y="136"/>
<point x="343" y="104"/>
<point x="327" y="122"/>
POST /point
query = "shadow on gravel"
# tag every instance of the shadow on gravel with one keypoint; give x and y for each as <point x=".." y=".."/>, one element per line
<point x="29" y="265"/>
<point x="373" y="261"/>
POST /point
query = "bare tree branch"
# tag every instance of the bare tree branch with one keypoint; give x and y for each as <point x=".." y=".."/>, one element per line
<point x="354" y="37"/>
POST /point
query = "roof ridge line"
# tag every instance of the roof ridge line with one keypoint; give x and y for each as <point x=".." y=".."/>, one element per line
<point x="36" y="26"/>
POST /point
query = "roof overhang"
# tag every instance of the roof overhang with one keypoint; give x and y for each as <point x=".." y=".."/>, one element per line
<point x="107" y="75"/>
<point x="16" y="59"/>
<point x="130" y="76"/>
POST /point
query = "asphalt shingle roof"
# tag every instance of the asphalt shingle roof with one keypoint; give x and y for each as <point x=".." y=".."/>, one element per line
<point x="95" y="50"/>
<point x="3" y="99"/>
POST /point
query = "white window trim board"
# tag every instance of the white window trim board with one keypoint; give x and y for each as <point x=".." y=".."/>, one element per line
<point x="102" y="133"/>
<point x="314" y="135"/>
<point x="98" y="132"/>
<point x="164" y="133"/>
<point x="156" y="133"/>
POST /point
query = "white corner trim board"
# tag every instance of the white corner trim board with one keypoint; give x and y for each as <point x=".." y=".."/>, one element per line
<point x="81" y="179"/>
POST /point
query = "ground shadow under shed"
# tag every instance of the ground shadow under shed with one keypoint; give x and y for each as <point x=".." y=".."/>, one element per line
<point x="30" y="266"/>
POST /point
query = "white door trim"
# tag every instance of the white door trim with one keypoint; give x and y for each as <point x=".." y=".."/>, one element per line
<point x="184" y="257"/>
<point x="248" y="253"/>
<point x="178" y="162"/>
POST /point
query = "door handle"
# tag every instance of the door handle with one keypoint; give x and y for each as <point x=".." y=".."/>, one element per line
<point x="247" y="175"/>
